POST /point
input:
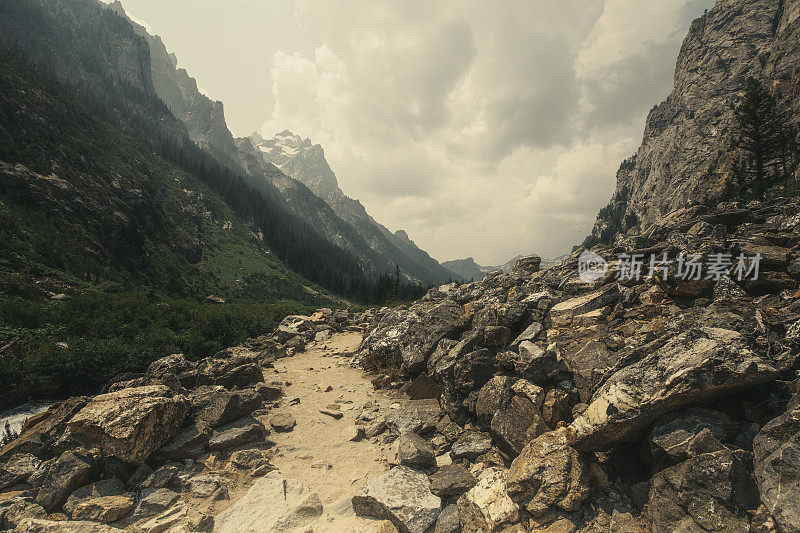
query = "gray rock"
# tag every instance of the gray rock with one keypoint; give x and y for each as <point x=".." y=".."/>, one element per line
<point x="105" y="501"/>
<point x="777" y="469"/>
<point x="672" y="435"/>
<point x="451" y="480"/>
<point x="64" y="476"/>
<point x="414" y="451"/>
<point x="402" y="496"/>
<point x="563" y="312"/>
<point x="470" y="445"/>
<point x="494" y="395"/>
<point x="487" y="506"/>
<point x="273" y="504"/>
<point x="690" y="368"/>
<point x="155" y="502"/>
<point x="236" y="433"/>
<point x="516" y="424"/>
<point x="709" y="492"/>
<point x="214" y="406"/>
<point x="204" y="485"/>
<point x="417" y="416"/>
<point x="129" y="424"/>
<point x="17" y="469"/>
<point x="448" y="521"/>
<point x="190" y="442"/>
<point x="549" y="473"/>
<point x="282" y="422"/>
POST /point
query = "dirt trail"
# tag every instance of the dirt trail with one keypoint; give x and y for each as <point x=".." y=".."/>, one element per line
<point x="318" y="452"/>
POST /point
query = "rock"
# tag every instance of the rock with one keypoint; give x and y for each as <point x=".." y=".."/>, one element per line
<point x="414" y="451"/>
<point x="105" y="501"/>
<point x="470" y="445"/>
<point x="417" y="416"/>
<point x="204" y="485"/>
<point x="70" y="471"/>
<point x="129" y="424"/>
<point x="236" y="433"/>
<point x="690" y="368"/>
<point x="516" y="424"/>
<point x="354" y="434"/>
<point x="495" y="394"/>
<point x="451" y="480"/>
<point x="401" y="495"/>
<point x="34" y="525"/>
<point x="269" y="393"/>
<point x="562" y="313"/>
<point x="161" y="477"/>
<point x="282" y="422"/>
<point x="155" y="502"/>
<point x="449" y="429"/>
<point x="525" y="267"/>
<point x="249" y="458"/>
<point x="15" y="511"/>
<point x="590" y="366"/>
<point x="528" y="390"/>
<point x="709" y="492"/>
<point x="333" y="413"/>
<point x="214" y="406"/>
<point x="19" y="468"/>
<point x="448" y="521"/>
<point x="190" y="442"/>
<point x="556" y="408"/>
<point x="672" y="435"/>
<point x="412" y="334"/>
<point x="530" y="333"/>
<point x="777" y="468"/>
<point x="423" y="388"/>
<point x="536" y="364"/>
<point x="40" y="437"/>
<point x="486" y="506"/>
<point x="174" y="518"/>
<point x="273" y="504"/>
<point x="549" y="473"/>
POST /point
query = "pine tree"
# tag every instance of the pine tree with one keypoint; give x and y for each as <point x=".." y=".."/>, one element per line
<point x="764" y="134"/>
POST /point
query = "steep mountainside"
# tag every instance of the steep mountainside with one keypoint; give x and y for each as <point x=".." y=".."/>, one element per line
<point x="689" y="149"/>
<point x="70" y="40"/>
<point x="305" y="162"/>
<point x="467" y="269"/>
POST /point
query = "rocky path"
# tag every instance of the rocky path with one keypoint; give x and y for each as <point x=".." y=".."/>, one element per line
<point x="319" y="451"/>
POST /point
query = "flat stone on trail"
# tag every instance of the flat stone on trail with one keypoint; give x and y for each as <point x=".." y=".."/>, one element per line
<point x="401" y="495"/>
<point x="332" y="413"/>
<point x="237" y="433"/>
<point x="273" y="504"/>
<point x="282" y="422"/>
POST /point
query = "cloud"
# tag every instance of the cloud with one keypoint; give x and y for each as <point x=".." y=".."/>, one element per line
<point x="484" y="130"/>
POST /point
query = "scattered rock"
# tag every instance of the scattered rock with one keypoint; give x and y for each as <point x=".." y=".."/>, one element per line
<point x="516" y="424"/>
<point x="414" y="451"/>
<point x="448" y="521"/>
<point x="18" y="469"/>
<point x="236" y="433"/>
<point x="282" y="422"/>
<point x="451" y="480"/>
<point x="402" y="496"/>
<point x="470" y="445"/>
<point x="64" y="476"/>
<point x="487" y="506"/>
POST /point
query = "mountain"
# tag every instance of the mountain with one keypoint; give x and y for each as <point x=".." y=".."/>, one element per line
<point x="304" y="161"/>
<point x="466" y="269"/>
<point x="302" y="180"/>
<point x="690" y="152"/>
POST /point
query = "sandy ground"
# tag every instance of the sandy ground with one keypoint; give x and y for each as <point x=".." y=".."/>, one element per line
<point x="317" y="452"/>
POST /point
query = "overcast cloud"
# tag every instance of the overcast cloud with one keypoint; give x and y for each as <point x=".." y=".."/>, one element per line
<point x="482" y="129"/>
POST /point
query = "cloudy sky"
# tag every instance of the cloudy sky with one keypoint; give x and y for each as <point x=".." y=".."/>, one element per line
<point x="484" y="129"/>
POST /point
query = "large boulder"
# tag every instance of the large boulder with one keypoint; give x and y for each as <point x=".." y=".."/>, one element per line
<point x="238" y="432"/>
<point x="549" y="473"/>
<point x="672" y="436"/>
<point x="495" y="394"/>
<point x="70" y="471"/>
<point x="401" y="495"/>
<point x="414" y="451"/>
<point x="525" y="267"/>
<point x="40" y="437"/>
<point x="129" y="424"/>
<point x="690" y="368"/>
<point x="709" y="492"/>
<point x="214" y="406"/>
<point x="563" y="312"/>
<point x="452" y="480"/>
<point x="777" y="469"/>
<point x="516" y="424"/>
<point x="417" y="416"/>
<point x="18" y="469"/>
<point x="105" y="501"/>
<point x="470" y="445"/>
<point x="414" y="333"/>
<point x="486" y="507"/>
<point x="590" y="366"/>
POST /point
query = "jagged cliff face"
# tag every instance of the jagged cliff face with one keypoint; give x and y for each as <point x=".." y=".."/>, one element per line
<point x="305" y="162"/>
<point x="688" y="150"/>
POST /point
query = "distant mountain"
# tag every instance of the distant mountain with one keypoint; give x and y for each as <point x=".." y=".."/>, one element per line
<point x="305" y="162"/>
<point x="467" y="269"/>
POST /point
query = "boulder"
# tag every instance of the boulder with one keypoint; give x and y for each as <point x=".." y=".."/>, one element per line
<point x="282" y="422"/>
<point x="549" y="473"/>
<point x="693" y="367"/>
<point x="486" y="507"/>
<point x="536" y="364"/>
<point x="590" y="366"/>
<point x="417" y="416"/>
<point x="204" y="485"/>
<point x="64" y="476"/>
<point x="526" y="389"/>
<point x="710" y="492"/>
<point x="423" y="388"/>
<point x="15" y="511"/>
<point x="273" y="504"/>
<point x="673" y="434"/>
<point x="176" y="518"/>
<point x="525" y="267"/>
<point x="40" y="438"/>
<point x="129" y="424"/>
<point x="556" y="408"/>
<point x="105" y="501"/>
<point x="414" y="451"/>
<point x="155" y="502"/>
<point x="17" y="469"/>
<point x="448" y="521"/>
<point x="516" y="424"/>
<point x="214" y="406"/>
<point x="413" y="333"/>
<point x="401" y="495"/>
<point x="470" y="445"/>
<point x="529" y="334"/>
<point x="236" y="433"/>
<point x="451" y="480"/>
<point x="495" y="394"/>
<point x="777" y="469"/>
<point x="562" y="313"/>
<point x="190" y="442"/>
